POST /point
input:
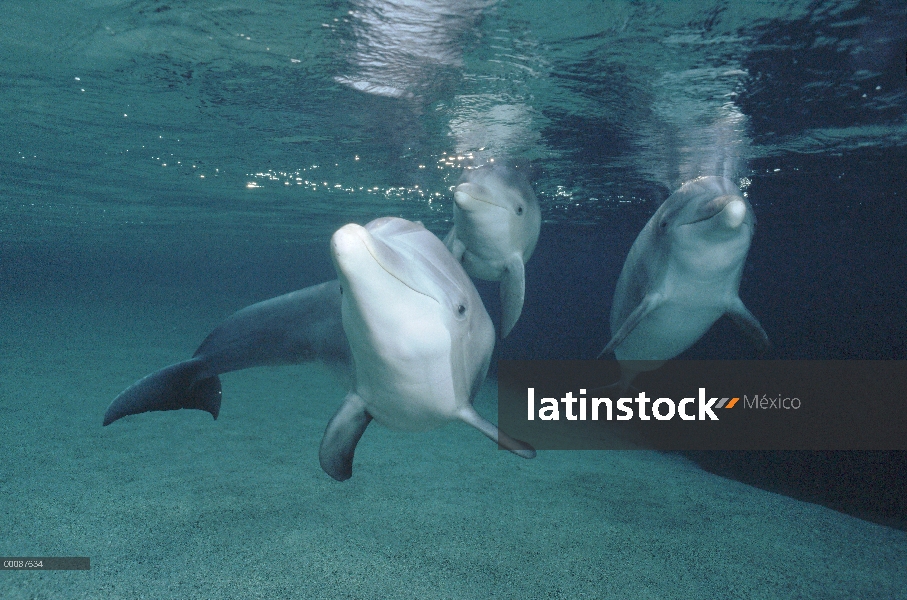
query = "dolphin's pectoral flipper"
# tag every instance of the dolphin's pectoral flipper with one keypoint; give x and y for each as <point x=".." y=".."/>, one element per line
<point x="456" y="246"/>
<point x="342" y="435"/>
<point x="470" y="416"/>
<point x="178" y="386"/>
<point x="450" y="237"/>
<point x="513" y="291"/>
<point x="649" y="303"/>
<point x="750" y="325"/>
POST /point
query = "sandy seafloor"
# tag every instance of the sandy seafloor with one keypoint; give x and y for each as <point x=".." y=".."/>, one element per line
<point x="175" y="505"/>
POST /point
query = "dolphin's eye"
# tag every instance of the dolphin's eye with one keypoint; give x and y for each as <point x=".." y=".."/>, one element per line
<point x="461" y="309"/>
<point x="519" y="210"/>
<point x="341" y="290"/>
<point x="664" y="224"/>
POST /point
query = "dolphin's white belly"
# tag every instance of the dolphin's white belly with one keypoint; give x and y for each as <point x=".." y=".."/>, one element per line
<point x="487" y="240"/>
<point x="691" y="306"/>
<point x="488" y="265"/>
<point x="409" y="395"/>
<point x="404" y="370"/>
<point x="667" y="331"/>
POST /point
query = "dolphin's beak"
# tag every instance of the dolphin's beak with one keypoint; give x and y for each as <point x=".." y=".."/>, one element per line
<point x="734" y="213"/>
<point x="730" y="207"/>
<point x="347" y="243"/>
<point x="355" y="251"/>
<point x="468" y="194"/>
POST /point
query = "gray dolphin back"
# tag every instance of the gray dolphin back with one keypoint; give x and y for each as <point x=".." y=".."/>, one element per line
<point x="301" y="326"/>
<point x="291" y="329"/>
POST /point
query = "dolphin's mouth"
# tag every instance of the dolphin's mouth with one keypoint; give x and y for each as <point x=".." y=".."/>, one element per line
<point x="475" y="192"/>
<point x="391" y="273"/>
<point x="719" y="205"/>
<point x="384" y="256"/>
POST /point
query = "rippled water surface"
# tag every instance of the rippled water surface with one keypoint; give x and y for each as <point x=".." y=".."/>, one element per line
<point x="274" y="116"/>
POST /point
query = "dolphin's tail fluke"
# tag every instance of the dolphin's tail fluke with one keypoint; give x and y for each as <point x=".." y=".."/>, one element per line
<point x="182" y="385"/>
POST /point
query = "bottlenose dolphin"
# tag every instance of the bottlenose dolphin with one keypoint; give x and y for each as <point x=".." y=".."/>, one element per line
<point x="419" y="335"/>
<point x="496" y="226"/>
<point x="300" y="326"/>
<point x="683" y="273"/>
<point x="309" y="324"/>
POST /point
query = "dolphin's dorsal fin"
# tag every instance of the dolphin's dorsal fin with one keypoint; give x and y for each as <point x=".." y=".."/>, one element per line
<point x="649" y="303"/>
<point x="469" y="416"/>
<point x="749" y="324"/>
<point x="513" y="292"/>
<point x="342" y="435"/>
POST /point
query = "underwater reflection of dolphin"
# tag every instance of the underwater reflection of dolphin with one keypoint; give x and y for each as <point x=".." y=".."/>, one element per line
<point x="420" y="337"/>
<point x="496" y="226"/>
<point x="682" y="274"/>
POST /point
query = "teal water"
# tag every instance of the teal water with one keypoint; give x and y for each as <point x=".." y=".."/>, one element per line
<point x="167" y="163"/>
